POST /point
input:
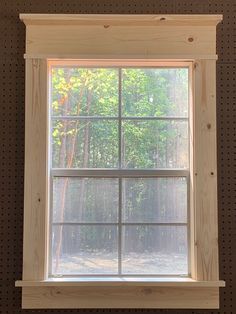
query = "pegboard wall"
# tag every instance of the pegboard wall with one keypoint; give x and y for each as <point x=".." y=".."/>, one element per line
<point x="12" y="41"/>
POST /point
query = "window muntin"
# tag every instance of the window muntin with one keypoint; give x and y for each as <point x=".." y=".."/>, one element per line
<point x="76" y="222"/>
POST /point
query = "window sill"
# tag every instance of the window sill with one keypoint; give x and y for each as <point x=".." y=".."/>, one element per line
<point x="135" y="292"/>
<point x="120" y="281"/>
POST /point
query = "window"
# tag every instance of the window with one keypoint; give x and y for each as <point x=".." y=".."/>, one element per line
<point x="119" y="170"/>
<point x="120" y="206"/>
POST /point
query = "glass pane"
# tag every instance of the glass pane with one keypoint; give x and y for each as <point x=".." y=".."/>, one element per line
<point x="84" y="250"/>
<point x="154" y="200"/>
<point x="85" y="199"/>
<point x="159" y="250"/>
<point x="155" y="92"/>
<point x="155" y="144"/>
<point x="84" y="144"/>
<point x="84" y="91"/>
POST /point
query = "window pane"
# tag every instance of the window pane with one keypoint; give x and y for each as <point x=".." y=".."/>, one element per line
<point x="154" y="200"/>
<point x="90" y="215"/>
<point x="159" y="250"/>
<point x="85" y="200"/>
<point x="84" y="250"/>
<point x="155" y="144"/>
<point x="155" y="92"/>
<point x="84" y="91"/>
<point x="84" y="144"/>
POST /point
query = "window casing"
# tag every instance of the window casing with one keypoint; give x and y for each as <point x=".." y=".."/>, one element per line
<point x="169" y="38"/>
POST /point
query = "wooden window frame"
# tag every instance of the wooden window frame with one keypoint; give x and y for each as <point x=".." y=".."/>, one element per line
<point x="124" y="38"/>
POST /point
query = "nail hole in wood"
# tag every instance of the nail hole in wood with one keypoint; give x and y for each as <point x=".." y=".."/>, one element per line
<point x="190" y="39"/>
<point x="106" y="26"/>
<point x="212" y="173"/>
<point x="208" y="126"/>
<point x="162" y="19"/>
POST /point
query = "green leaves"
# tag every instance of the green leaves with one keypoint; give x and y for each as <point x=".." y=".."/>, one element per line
<point x="100" y="85"/>
<point x="157" y="92"/>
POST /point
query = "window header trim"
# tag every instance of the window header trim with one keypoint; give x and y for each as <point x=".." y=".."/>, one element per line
<point x="122" y="19"/>
<point x="112" y="36"/>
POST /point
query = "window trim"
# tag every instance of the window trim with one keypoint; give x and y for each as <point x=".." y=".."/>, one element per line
<point x="44" y="34"/>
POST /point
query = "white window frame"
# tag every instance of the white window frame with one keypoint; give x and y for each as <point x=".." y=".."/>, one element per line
<point x="121" y="173"/>
<point x="124" y="38"/>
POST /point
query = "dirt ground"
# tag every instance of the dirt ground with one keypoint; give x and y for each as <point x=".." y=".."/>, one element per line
<point x="148" y="263"/>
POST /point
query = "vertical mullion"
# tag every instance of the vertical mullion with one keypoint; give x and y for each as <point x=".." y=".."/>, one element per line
<point x="120" y="180"/>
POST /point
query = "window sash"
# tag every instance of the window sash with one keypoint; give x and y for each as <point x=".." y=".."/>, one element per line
<point x="121" y="174"/>
<point x="120" y="116"/>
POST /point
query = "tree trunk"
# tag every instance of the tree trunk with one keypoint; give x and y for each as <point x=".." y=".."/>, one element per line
<point x="82" y="196"/>
<point x="69" y="164"/>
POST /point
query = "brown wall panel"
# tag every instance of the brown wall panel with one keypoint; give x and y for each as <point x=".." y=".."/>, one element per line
<point x="12" y="37"/>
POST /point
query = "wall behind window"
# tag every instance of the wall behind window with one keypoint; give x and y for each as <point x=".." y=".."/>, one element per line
<point x="12" y="41"/>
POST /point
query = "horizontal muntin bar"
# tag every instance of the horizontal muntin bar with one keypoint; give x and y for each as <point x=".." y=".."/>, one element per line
<point x="117" y="118"/>
<point x="122" y="223"/>
<point x="119" y="173"/>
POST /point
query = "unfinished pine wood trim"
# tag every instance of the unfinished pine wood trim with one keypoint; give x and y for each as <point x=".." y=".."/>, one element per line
<point x="205" y="171"/>
<point x="131" y="41"/>
<point x="119" y="283"/>
<point x="163" y="57"/>
<point x="120" y="297"/>
<point x="134" y="36"/>
<point x="124" y="19"/>
<point x="35" y="200"/>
